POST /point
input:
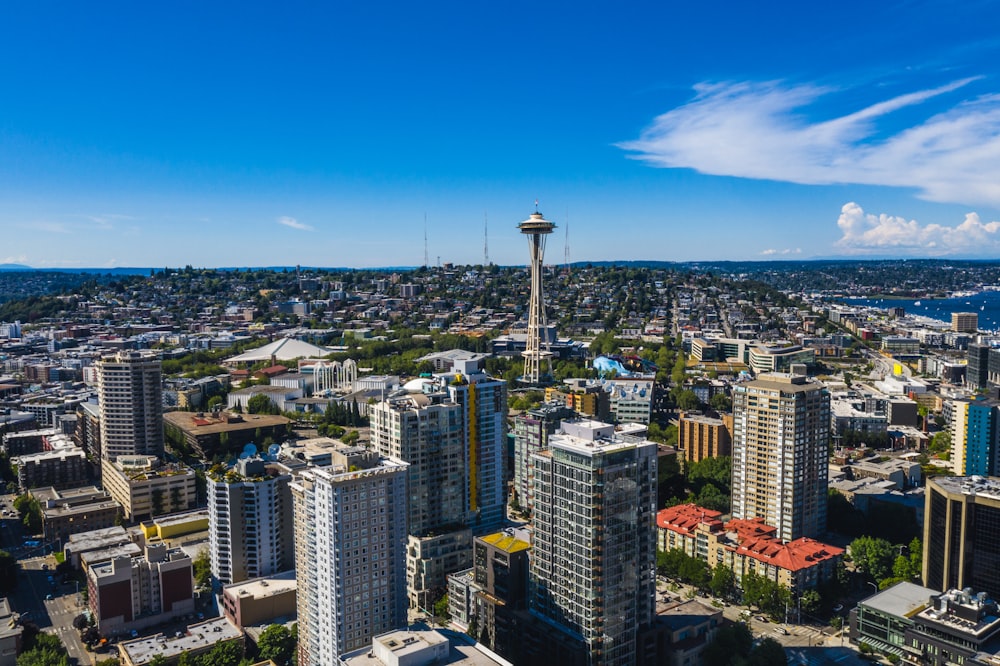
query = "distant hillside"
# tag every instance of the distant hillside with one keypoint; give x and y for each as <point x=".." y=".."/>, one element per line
<point x="15" y="267"/>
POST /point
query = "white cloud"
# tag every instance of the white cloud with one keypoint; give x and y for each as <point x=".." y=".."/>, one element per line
<point x="761" y="130"/>
<point x="107" y="220"/>
<point x="294" y="224"/>
<point x="19" y="259"/>
<point x="771" y="251"/>
<point x="865" y="232"/>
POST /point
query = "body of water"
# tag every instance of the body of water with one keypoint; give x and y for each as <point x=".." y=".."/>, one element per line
<point x="986" y="304"/>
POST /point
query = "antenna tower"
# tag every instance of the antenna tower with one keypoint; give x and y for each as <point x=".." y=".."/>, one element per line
<point x="486" y="240"/>
<point x="427" y="261"/>
<point x="536" y="228"/>
<point x="566" y="251"/>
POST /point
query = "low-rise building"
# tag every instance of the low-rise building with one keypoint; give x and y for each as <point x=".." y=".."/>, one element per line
<point x="198" y="639"/>
<point x="68" y="512"/>
<point x="127" y="593"/>
<point x="429" y="560"/>
<point x="746" y="545"/>
<point x="420" y="646"/>
<point x="681" y="630"/>
<point x="145" y="487"/>
<point x="261" y="600"/>
<point x="60" y="468"/>
<point x="207" y="434"/>
<point x="10" y="634"/>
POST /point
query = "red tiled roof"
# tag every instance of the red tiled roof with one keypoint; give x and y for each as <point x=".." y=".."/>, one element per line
<point x="794" y="555"/>
<point x="684" y="518"/>
<point x="750" y="527"/>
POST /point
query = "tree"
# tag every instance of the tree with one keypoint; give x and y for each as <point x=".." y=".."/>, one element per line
<point x="202" y="566"/>
<point x="223" y="654"/>
<point x="30" y="511"/>
<point x="8" y="572"/>
<point x="276" y="644"/>
<point x="261" y="404"/>
<point x="43" y="650"/>
<point x="723" y="582"/>
<point x="441" y="609"/>
<point x="730" y="646"/>
<point x="768" y="652"/>
<point x="809" y="601"/>
<point x="721" y="402"/>
<point x="873" y="556"/>
<point x="687" y="400"/>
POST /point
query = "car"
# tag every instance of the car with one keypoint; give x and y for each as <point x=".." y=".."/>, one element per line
<point x="45" y="567"/>
<point x="761" y="618"/>
<point x="838" y="608"/>
<point x="782" y="631"/>
<point x="48" y="597"/>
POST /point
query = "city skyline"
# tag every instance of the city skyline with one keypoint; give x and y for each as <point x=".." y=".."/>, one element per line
<point x="325" y="136"/>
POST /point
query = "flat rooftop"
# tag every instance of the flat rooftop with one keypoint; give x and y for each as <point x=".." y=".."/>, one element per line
<point x="903" y="600"/>
<point x="208" y="424"/>
<point x="969" y="485"/>
<point x="260" y="588"/>
<point x="198" y="637"/>
<point x="462" y="651"/>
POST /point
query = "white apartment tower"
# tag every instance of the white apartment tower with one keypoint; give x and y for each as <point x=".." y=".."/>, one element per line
<point x="131" y="402"/>
<point x="594" y="543"/>
<point x="250" y="522"/>
<point x="781" y="433"/>
<point x="427" y="431"/>
<point x="350" y="542"/>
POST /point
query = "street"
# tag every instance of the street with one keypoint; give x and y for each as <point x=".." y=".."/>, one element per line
<point x="798" y="636"/>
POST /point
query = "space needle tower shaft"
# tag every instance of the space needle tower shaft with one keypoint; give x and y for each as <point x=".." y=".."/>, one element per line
<point x="536" y="228"/>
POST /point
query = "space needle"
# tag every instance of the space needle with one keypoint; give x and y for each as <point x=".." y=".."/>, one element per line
<point x="536" y="228"/>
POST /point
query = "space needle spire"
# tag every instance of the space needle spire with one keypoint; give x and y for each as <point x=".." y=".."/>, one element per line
<point x="536" y="228"/>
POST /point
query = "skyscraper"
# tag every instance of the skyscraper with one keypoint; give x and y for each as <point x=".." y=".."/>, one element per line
<point x="962" y="534"/>
<point x="781" y="433"/>
<point x="250" y="522"/>
<point x="531" y="435"/>
<point x="974" y="437"/>
<point x="350" y="541"/>
<point x="131" y="403"/>
<point x="594" y="542"/>
<point x="450" y="429"/>
<point x="977" y="372"/>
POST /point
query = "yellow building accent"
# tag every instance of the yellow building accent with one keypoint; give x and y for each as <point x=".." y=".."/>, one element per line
<point x="473" y="449"/>
<point x="506" y="543"/>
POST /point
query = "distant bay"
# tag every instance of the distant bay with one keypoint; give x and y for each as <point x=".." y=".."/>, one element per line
<point x="986" y="304"/>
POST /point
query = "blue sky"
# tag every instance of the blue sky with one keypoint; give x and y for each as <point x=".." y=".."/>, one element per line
<point x="220" y="134"/>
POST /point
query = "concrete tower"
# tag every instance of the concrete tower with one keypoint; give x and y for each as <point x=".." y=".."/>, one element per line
<point x="131" y="404"/>
<point x="536" y="228"/>
<point x="781" y="431"/>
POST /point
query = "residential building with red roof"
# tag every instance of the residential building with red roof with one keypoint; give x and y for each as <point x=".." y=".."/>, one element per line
<point x="746" y="545"/>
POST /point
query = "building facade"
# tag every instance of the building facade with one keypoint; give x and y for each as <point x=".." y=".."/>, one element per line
<point x="975" y="431"/>
<point x="781" y="433"/>
<point x="131" y="403"/>
<point x="701" y="437"/>
<point x="962" y="534"/>
<point x="531" y="435"/>
<point x="350" y="545"/>
<point x="145" y="487"/>
<point x="594" y="550"/>
<point x="250" y="522"/>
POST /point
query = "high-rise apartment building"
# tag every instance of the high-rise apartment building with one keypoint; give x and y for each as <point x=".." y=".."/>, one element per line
<point x="962" y="534"/>
<point x="977" y="370"/>
<point x="701" y="437"/>
<point x="594" y="541"/>
<point x="131" y="403"/>
<point x="450" y="430"/>
<point x="484" y="408"/>
<point x="426" y="429"/>
<point x="250" y="522"/>
<point x="350" y="542"/>
<point x="974" y="437"/>
<point x="781" y="434"/>
<point x="965" y="322"/>
<point x="531" y="435"/>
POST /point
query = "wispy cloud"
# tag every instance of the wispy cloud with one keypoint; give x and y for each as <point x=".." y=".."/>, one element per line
<point x="760" y="130"/>
<point x="19" y="259"/>
<point x="292" y="223"/>
<point x="770" y="252"/>
<point x="107" y="220"/>
<point x="47" y="227"/>
<point x="868" y="233"/>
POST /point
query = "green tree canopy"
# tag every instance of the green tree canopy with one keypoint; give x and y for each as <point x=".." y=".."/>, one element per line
<point x="276" y="643"/>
